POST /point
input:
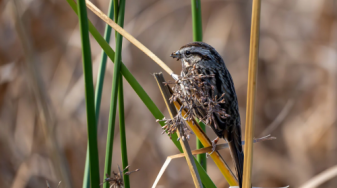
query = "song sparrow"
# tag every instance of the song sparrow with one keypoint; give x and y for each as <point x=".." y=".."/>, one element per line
<point x="201" y="59"/>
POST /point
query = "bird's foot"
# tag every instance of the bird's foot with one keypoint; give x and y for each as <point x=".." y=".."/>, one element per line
<point x="214" y="142"/>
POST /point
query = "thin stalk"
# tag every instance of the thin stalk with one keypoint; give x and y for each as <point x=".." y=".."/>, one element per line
<point x="197" y="36"/>
<point x="251" y="92"/>
<point x="89" y="94"/>
<point x="201" y="157"/>
<point x="86" y="176"/>
<point x="116" y="8"/>
<point x="141" y="93"/>
<point x="114" y="93"/>
<point x="196" y="20"/>
<point x="101" y="71"/>
<point x="119" y="18"/>
<point x="98" y="91"/>
<point x="122" y="132"/>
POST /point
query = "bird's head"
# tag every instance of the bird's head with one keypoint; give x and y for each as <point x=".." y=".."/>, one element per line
<point x="195" y="53"/>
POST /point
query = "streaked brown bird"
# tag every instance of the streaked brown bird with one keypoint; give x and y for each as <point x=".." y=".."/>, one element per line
<point x="204" y="60"/>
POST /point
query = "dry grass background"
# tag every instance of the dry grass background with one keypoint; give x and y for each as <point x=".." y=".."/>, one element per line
<point x="296" y="88"/>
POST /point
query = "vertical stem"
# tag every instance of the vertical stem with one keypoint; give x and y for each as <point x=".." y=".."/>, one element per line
<point x="98" y="92"/>
<point x="101" y="71"/>
<point x="202" y="157"/>
<point x="116" y="9"/>
<point x="86" y="176"/>
<point x="251" y="92"/>
<point x="89" y="94"/>
<point x="196" y="20"/>
<point x="115" y="83"/>
<point x="119" y="18"/>
<point x="197" y="36"/>
<point x="122" y="131"/>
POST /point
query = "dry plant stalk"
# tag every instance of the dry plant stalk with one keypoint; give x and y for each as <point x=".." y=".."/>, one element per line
<point x="251" y="91"/>
<point x="200" y="151"/>
<point x="321" y="178"/>
<point x="129" y="37"/>
<point x="220" y="147"/>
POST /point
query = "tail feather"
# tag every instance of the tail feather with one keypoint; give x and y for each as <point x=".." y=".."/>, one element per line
<point x="237" y="155"/>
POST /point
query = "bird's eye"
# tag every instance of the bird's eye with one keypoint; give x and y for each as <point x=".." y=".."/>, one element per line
<point x="188" y="52"/>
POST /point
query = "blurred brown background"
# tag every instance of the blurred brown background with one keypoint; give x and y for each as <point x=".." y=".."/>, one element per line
<point x="42" y="89"/>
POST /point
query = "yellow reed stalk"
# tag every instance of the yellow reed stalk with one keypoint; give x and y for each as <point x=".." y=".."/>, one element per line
<point x="251" y="91"/>
<point x="220" y="163"/>
<point x="129" y="37"/>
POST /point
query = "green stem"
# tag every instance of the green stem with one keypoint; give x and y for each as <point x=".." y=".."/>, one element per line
<point x="116" y="9"/>
<point x="123" y="132"/>
<point x="196" y="20"/>
<point x="89" y="94"/>
<point x="113" y="104"/>
<point x="119" y="18"/>
<point x="197" y="36"/>
<point x="201" y="157"/>
<point x="98" y="92"/>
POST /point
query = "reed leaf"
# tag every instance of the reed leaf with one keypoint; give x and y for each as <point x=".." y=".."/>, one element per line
<point x="119" y="17"/>
<point x="98" y="91"/>
<point x="89" y="95"/>
<point x="114" y="94"/>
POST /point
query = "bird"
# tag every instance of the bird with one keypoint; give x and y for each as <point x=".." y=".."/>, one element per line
<point x="201" y="59"/>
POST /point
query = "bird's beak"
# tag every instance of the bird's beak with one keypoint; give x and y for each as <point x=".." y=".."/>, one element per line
<point x="176" y="55"/>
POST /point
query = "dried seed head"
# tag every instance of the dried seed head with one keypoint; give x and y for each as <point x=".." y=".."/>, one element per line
<point x="194" y="92"/>
<point x="116" y="179"/>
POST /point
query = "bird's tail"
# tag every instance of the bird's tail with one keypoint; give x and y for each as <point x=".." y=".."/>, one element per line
<point x="237" y="155"/>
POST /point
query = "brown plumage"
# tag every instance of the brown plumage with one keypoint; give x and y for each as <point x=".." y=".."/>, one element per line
<point x="200" y="59"/>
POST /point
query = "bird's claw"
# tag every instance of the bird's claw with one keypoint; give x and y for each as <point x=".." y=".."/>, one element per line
<point x="213" y="149"/>
<point x="214" y="142"/>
